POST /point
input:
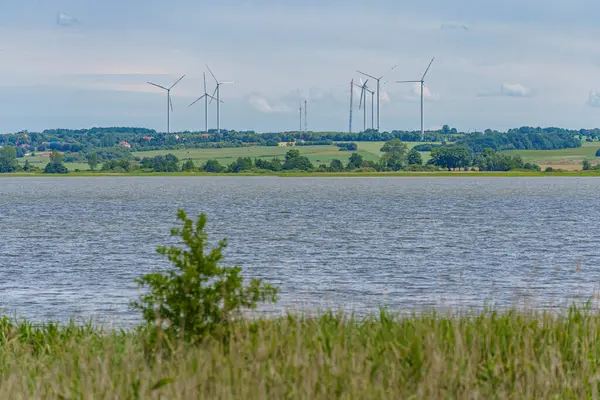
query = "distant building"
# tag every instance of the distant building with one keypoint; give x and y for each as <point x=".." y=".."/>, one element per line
<point x="284" y="144"/>
<point x="124" y="144"/>
<point x="148" y="138"/>
<point x="205" y="135"/>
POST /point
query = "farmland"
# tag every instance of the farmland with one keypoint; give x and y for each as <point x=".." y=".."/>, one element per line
<point x="568" y="159"/>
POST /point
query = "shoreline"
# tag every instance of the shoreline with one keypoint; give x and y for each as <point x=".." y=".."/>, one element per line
<point x="401" y="174"/>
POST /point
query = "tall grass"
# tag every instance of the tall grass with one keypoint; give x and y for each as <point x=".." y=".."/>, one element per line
<point x="489" y="355"/>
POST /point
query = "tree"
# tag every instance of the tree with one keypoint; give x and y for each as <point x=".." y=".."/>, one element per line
<point x="356" y="161"/>
<point x="55" y="166"/>
<point x="445" y="130"/>
<point x="394" y="155"/>
<point x="56" y="157"/>
<point x="336" y="166"/>
<point x="198" y="297"/>
<point x="586" y="165"/>
<point x="241" y="164"/>
<point x="414" y="158"/>
<point x="598" y="153"/>
<point x="27" y="166"/>
<point x="450" y="157"/>
<point x="8" y="159"/>
<point x="212" y="166"/>
<point x="92" y="160"/>
<point x="188" y="166"/>
<point x="293" y="160"/>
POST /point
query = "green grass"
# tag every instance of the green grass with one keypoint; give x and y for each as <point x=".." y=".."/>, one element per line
<point x="563" y="158"/>
<point x="514" y="354"/>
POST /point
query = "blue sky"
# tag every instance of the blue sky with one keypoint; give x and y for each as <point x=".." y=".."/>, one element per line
<point x="499" y="64"/>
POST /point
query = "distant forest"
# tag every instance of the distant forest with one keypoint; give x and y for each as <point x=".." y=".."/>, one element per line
<point x="117" y="142"/>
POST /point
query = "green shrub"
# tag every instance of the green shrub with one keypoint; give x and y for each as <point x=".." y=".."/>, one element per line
<point x="197" y="297"/>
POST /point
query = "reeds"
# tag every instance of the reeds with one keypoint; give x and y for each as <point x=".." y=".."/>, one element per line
<point x="509" y="354"/>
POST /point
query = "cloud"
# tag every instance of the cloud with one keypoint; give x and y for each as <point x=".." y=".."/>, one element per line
<point x="265" y="106"/>
<point x="508" y="90"/>
<point x="594" y="99"/>
<point x="66" y="20"/>
<point x="454" y="26"/>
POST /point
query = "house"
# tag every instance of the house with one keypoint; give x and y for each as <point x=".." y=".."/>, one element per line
<point x="148" y="138"/>
<point x="124" y="144"/>
<point x="204" y="135"/>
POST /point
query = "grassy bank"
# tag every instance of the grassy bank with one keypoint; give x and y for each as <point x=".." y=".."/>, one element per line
<point x="473" y="174"/>
<point x="508" y="355"/>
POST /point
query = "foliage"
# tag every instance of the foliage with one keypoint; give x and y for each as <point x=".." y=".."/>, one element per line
<point x="167" y="163"/>
<point x="188" y="166"/>
<point x="414" y="158"/>
<point x="198" y="297"/>
<point x="586" y="165"/>
<point x="450" y="157"/>
<point x="489" y="160"/>
<point x="241" y="164"/>
<point x="598" y="153"/>
<point x="92" y="160"/>
<point x="212" y="166"/>
<point x="270" y="165"/>
<point x="356" y="161"/>
<point x="294" y="161"/>
<point x="336" y="166"/>
<point x="8" y="159"/>
<point x="394" y="157"/>
<point x="426" y="147"/>
<point x="523" y="139"/>
<point x="55" y="166"/>
<point x="117" y="166"/>
<point x="347" y="146"/>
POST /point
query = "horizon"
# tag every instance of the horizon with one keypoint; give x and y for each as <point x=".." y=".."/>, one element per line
<point x="85" y="64"/>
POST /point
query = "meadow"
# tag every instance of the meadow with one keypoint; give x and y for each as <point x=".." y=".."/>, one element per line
<point x="567" y="159"/>
<point x="512" y="354"/>
<point x="316" y="154"/>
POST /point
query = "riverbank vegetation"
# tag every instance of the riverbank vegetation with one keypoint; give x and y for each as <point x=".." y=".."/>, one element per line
<point x="197" y="341"/>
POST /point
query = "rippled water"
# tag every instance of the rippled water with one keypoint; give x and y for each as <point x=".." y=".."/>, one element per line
<point x="71" y="247"/>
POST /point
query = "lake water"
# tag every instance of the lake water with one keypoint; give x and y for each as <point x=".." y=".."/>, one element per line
<point x="71" y="247"/>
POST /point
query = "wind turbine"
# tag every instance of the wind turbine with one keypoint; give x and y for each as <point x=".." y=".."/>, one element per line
<point x="422" y="82"/>
<point x="372" y="105"/>
<point x="363" y="97"/>
<point x="169" y="103"/>
<point x="378" y="95"/>
<point x="218" y="92"/>
<point x="204" y="96"/>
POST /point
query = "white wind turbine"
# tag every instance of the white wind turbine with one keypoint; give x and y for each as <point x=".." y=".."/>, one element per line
<point x="218" y="92"/>
<point x="169" y="103"/>
<point x="204" y="96"/>
<point x="422" y="82"/>
<point x="363" y="98"/>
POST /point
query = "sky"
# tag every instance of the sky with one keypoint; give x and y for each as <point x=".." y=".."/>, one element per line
<point x="498" y="63"/>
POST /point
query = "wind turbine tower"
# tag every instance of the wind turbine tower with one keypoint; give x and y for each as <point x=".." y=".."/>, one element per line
<point x="305" y="117"/>
<point x="169" y="103"/>
<point x="363" y="98"/>
<point x="204" y="96"/>
<point x="351" y="98"/>
<point x="218" y="92"/>
<point x="422" y="82"/>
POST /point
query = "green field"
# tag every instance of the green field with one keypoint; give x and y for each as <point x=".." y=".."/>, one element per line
<point x="569" y="159"/>
<point x="316" y="154"/>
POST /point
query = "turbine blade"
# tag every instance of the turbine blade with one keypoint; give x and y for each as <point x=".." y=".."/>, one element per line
<point x="213" y="95"/>
<point x="213" y="75"/>
<point x="427" y="70"/>
<point x="154" y="84"/>
<point x="213" y="98"/>
<point x="228" y="83"/>
<point x="171" y="103"/>
<point x="362" y="92"/>
<point x="197" y="100"/>
<point x="365" y="74"/>
<point x="204" y="74"/>
<point x="178" y="80"/>
<point x="407" y="81"/>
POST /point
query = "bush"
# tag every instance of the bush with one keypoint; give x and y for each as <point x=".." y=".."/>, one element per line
<point x="598" y="153"/>
<point x="549" y="169"/>
<point x="55" y="168"/>
<point x="198" y="297"/>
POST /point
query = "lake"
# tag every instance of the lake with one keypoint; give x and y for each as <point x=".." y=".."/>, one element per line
<point x="71" y="247"/>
